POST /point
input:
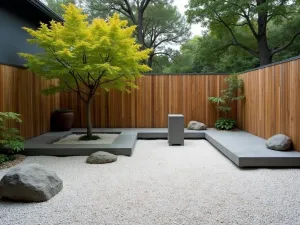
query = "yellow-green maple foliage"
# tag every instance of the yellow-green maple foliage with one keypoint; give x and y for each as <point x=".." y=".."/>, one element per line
<point x="87" y="56"/>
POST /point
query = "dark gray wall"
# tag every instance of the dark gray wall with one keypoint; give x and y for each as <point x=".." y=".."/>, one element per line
<point x="13" y="38"/>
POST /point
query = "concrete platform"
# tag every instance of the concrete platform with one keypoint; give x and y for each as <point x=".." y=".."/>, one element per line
<point x="42" y="145"/>
<point x="247" y="150"/>
<point x="242" y="148"/>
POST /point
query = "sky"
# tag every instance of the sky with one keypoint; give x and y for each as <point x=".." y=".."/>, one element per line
<point x="196" y="29"/>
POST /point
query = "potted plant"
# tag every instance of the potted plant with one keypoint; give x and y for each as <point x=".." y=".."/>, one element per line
<point x="62" y="120"/>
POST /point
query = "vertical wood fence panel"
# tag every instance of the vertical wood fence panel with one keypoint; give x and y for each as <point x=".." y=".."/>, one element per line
<point x="272" y="101"/>
<point x="150" y="104"/>
<point x="271" y="105"/>
<point x="20" y="91"/>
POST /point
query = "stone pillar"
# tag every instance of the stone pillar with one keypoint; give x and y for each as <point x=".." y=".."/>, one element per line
<point x="175" y="129"/>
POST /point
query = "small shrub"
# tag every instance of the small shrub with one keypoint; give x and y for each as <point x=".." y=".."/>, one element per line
<point x="223" y="103"/>
<point x="9" y="137"/>
<point x="3" y="158"/>
<point x="225" y="124"/>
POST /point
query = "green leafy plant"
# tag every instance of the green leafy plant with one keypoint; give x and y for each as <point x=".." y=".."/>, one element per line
<point x="225" y="124"/>
<point x="233" y="92"/>
<point x="9" y="137"/>
<point x="3" y="158"/>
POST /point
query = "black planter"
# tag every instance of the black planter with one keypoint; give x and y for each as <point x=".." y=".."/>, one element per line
<point x="62" y="120"/>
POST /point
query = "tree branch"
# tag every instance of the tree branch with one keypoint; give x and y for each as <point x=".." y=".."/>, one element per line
<point x="108" y="81"/>
<point x="274" y="51"/>
<point x="130" y="12"/>
<point x="224" y="48"/>
<point x="77" y="91"/>
<point x="235" y="41"/>
<point x="121" y="11"/>
<point x="161" y="53"/>
<point x="246" y="16"/>
<point x="145" y="4"/>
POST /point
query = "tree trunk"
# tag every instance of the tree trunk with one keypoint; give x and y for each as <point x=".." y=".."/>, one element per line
<point x="150" y="60"/>
<point x="265" y="54"/>
<point x="140" y="29"/>
<point x="89" y="132"/>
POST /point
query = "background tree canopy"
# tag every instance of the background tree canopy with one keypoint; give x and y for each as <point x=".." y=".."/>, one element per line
<point x="240" y="35"/>
<point x="55" y="5"/>
<point x="253" y="18"/>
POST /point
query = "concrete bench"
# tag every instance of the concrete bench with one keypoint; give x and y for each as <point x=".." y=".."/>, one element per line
<point x="175" y="129"/>
<point x="242" y="148"/>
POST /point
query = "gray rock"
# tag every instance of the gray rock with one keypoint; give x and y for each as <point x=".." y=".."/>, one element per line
<point x="101" y="158"/>
<point x="30" y="183"/>
<point x="279" y="142"/>
<point x="195" y="125"/>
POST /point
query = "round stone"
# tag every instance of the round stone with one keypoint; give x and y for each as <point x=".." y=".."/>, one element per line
<point x="195" y="125"/>
<point x="30" y="183"/>
<point x="101" y="158"/>
<point x="279" y="142"/>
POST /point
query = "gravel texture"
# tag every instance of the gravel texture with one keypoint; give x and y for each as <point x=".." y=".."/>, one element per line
<point x="162" y="185"/>
<point x="74" y="139"/>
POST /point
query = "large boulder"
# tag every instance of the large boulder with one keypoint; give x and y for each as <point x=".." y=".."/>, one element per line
<point x="195" y="125"/>
<point x="101" y="158"/>
<point x="279" y="142"/>
<point x="30" y="183"/>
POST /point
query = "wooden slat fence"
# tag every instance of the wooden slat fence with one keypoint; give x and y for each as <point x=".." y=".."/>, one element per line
<point x="20" y="91"/>
<point x="149" y="106"/>
<point x="272" y="102"/>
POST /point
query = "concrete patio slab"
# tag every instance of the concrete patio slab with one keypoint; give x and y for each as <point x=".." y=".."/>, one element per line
<point x="42" y="145"/>
<point x="242" y="148"/>
<point x="248" y="150"/>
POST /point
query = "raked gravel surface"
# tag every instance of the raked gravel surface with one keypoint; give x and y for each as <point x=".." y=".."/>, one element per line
<point x="162" y="185"/>
<point x="74" y="139"/>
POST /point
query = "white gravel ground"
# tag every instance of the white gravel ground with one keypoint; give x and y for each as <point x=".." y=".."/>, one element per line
<point x="162" y="185"/>
<point x="74" y="139"/>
